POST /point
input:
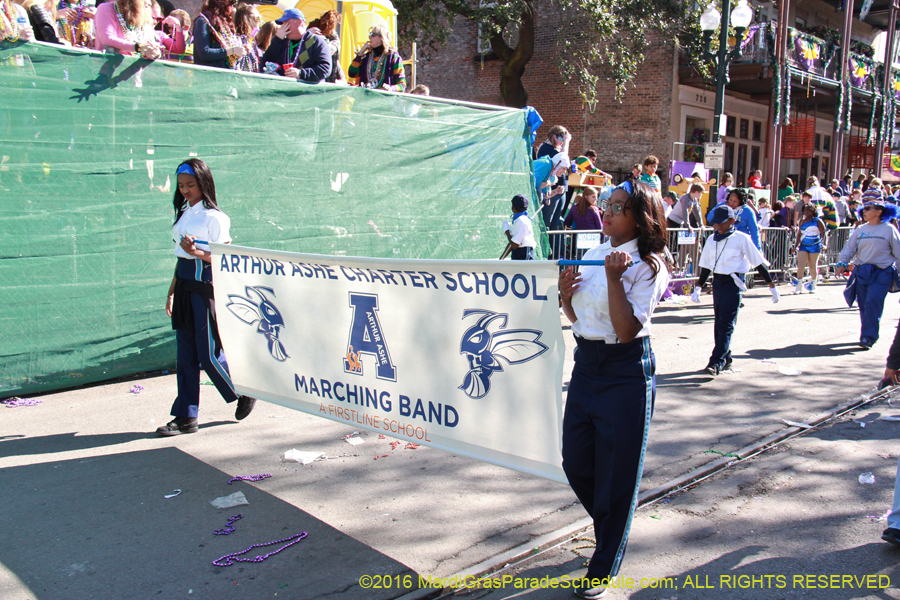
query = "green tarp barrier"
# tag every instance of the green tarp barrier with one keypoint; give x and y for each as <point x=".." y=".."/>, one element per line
<point x="89" y="144"/>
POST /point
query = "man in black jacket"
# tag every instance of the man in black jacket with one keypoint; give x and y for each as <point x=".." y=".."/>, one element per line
<point x="297" y="52"/>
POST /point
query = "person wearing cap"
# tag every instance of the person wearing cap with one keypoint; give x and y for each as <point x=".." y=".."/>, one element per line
<point x="191" y="304"/>
<point x="299" y="54"/>
<point x="874" y="249"/>
<point x="521" y="233"/>
<point x="727" y="255"/>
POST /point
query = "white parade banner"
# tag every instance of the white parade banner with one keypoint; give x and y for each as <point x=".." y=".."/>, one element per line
<point x="465" y="356"/>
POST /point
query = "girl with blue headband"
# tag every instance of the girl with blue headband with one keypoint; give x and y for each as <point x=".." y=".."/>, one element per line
<point x="611" y="392"/>
<point x="190" y="303"/>
<point x="874" y="249"/>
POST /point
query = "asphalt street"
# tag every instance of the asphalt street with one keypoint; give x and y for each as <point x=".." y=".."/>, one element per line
<point x="85" y="478"/>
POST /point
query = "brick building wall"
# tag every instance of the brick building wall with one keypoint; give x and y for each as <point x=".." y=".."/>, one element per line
<point x="621" y="134"/>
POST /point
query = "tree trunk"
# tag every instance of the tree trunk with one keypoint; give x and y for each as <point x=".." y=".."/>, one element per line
<point x="514" y="60"/>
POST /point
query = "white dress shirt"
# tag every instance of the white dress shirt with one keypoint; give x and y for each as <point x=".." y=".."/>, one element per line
<point x="735" y="254"/>
<point x="591" y="300"/>
<point x="207" y="224"/>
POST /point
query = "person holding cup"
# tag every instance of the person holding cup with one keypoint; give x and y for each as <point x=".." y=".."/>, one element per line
<point x="215" y="42"/>
<point x="14" y="23"/>
<point x="126" y="27"/>
<point x="377" y="64"/>
<point x="299" y="54"/>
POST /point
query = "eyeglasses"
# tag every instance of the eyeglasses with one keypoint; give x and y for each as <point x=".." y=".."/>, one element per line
<point x="615" y="207"/>
<point x="373" y="34"/>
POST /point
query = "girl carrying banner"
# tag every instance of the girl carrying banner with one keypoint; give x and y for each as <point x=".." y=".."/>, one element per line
<point x="198" y="221"/>
<point x="611" y="392"/>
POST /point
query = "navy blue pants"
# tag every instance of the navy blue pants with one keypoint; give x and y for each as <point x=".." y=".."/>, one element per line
<point x="608" y="410"/>
<point x="872" y="285"/>
<point x="553" y="221"/>
<point x="198" y="349"/>
<point x="726" y="303"/>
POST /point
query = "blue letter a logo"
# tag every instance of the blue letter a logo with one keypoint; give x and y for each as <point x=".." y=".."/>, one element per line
<point x="366" y="337"/>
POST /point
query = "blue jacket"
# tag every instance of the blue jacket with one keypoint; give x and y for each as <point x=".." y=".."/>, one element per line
<point x="745" y="220"/>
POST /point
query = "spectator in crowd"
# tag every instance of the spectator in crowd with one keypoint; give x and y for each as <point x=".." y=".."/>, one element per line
<point x="125" y="25"/>
<point x="744" y="216"/>
<point x="857" y="185"/>
<point x="874" y="192"/>
<point x="246" y="23"/>
<point x="833" y="186"/>
<point x="421" y="90"/>
<point x="651" y="164"/>
<point x="853" y="209"/>
<point x="585" y="163"/>
<point x="521" y="233"/>
<point x="198" y="221"/>
<point x="824" y="200"/>
<point x="185" y="22"/>
<point x="74" y="22"/>
<point x="765" y="214"/>
<point x="263" y="39"/>
<point x="584" y="214"/>
<point x="727" y="255"/>
<point x="635" y="173"/>
<point x="779" y="214"/>
<point x="755" y="180"/>
<point x="377" y="64"/>
<point x="686" y="212"/>
<point x="215" y="42"/>
<point x="786" y="188"/>
<point x="299" y="54"/>
<point x="670" y="199"/>
<point x="42" y="23"/>
<point x="867" y="182"/>
<point x="840" y="203"/>
<point x="325" y="26"/>
<point x="556" y="148"/>
<point x="811" y="241"/>
<point x="874" y="248"/>
<point x="846" y="185"/>
<point x="804" y="199"/>
<point x="611" y="392"/>
<point x="727" y="184"/>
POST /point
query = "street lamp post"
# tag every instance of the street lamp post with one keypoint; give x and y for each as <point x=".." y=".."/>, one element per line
<point x="740" y="17"/>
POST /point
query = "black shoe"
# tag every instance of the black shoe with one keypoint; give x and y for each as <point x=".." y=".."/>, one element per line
<point x="582" y="588"/>
<point x="865" y="343"/>
<point x="891" y="535"/>
<point x="178" y="426"/>
<point x="712" y="370"/>
<point x="727" y="365"/>
<point x="244" y="407"/>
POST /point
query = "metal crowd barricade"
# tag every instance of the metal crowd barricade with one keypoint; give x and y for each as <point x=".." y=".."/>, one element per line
<point x="777" y="246"/>
<point x="571" y="244"/>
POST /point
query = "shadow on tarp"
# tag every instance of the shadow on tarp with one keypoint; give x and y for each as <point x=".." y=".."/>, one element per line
<point x="100" y="528"/>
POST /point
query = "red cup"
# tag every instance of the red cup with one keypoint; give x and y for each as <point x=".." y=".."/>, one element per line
<point x="286" y="67"/>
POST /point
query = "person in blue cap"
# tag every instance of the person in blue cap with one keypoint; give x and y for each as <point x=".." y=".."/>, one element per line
<point x="728" y="255"/>
<point x="874" y="249"/>
<point x="190" y="303"/>
<point x="298" y="53"/>
<point x="611" y="393"/>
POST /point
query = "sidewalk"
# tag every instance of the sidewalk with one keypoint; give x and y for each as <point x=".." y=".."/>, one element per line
<point x="85" y="476"/>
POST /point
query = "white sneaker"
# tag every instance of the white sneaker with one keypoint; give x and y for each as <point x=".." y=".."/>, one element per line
<point x="798" y="289"/>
